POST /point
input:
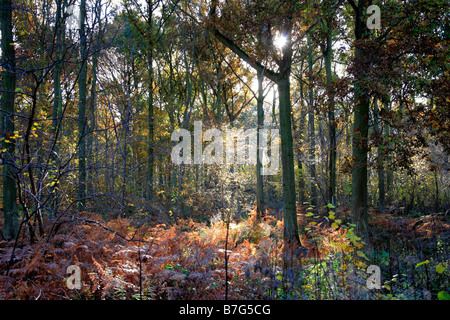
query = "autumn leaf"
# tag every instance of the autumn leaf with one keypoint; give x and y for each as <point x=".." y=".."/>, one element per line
<point x="362" y="255"/>
<point x="440" y="268"/>
<point x="422" y="263"/>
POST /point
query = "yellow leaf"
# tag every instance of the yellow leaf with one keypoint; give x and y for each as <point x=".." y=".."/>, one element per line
<point x="362" y="255"/>
<point x="386" y="286"/>
<point x="440" y="268"/>
<point x="422" y="263"/>
<point x="331" y="216"/>
<point x="359" y="263"/>
<point x="334" y="225"/>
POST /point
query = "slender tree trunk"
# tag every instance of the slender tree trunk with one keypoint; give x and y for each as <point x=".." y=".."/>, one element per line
<point x="380" y="154"/>
<point x="331" y="117"/>
<point x="259" y="177"/>
<point x="82" y="125"/>
<point x="389" y="173"/>
<point x="126" y="125"/>
<point x="8" y="88"/>
<point x="436" y="184"/>
<point x="274" y="108"/>
<point x="92" y="106"/>
<point x="301" y="129"/>
<point x="161" y="169"/>
<point x="57" y="95"/>
<point x="311" y="133"/>
<point x="92" y="128"/>
<point x="150" y="102"/>
<point x="57" y="101"/>
<point x="360" y="132"/>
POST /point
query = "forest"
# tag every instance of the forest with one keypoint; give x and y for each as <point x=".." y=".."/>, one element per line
<point x="225" y="150"/>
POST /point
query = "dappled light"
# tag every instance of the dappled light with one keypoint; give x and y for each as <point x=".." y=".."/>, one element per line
<point x="224" y="151"/>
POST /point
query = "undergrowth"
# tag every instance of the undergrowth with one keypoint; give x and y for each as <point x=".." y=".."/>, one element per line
<point x="127" y="259"/>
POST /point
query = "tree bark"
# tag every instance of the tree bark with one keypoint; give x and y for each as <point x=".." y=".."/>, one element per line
<point x="57" y="96"/>
<point x="82" y="125"/>
<point x="92" y="106"/>
<point x="301" y="129"/>
<point x="57" y="100"/>
<point x="260" y="120"/>
<point x="380" y="153"/>
<point x="287" y="162"/>
<point x="311" y="133"/>
<point x="150" y="102"/>
<point x="331" y="117"/>
<point x="360" y="132"/>
<point x="389" y="173"/>
<point x="10" y="210"/>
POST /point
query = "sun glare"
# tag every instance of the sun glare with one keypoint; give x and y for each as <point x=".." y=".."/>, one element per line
<point x="280" y="41"/>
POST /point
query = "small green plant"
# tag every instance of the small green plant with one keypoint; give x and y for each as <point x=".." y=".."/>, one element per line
<point x="175" y="267"/>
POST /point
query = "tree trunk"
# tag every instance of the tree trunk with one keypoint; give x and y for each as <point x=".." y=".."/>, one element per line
<point x="259" y="177"/>
<point x="150" y="103"/>
<point x="359" y="171"/>
<point x="57" y="101"/>
<point x="287" y="162"/>
<point x="380" y="154"/>
<point x="281" y="78"/>
<point x="360" y="131"/>
<point x="92" y="127"/>
<point x="82" y="125"/>
<point x="126" y="125"/>
<point x="389" y="173"/>
<point x="57" y="97"/>
<point x="92" y="107"/>
<point x="331" y="118"/>
<point x="301" y="129"/>
<point x="11" y="225"/>
<point x="311" y="134"/>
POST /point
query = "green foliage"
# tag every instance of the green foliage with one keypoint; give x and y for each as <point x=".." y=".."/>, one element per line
<point x="442" y="295"/>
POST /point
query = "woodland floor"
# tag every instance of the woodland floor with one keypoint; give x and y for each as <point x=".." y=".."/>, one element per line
<point x="142" y="258"/>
